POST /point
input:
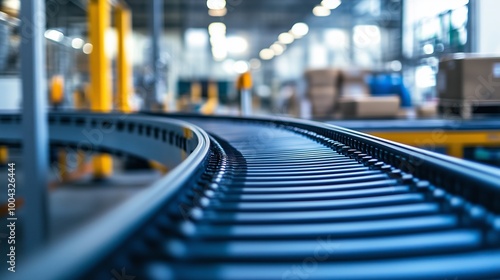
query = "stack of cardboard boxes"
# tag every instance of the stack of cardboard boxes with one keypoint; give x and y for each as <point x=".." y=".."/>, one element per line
<point x="322" y="91"/>
<point x="345" y="94"/>
<point x="356" y="101"/>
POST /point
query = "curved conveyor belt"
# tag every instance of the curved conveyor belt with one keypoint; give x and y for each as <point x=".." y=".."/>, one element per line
<point x="282" y="199"/>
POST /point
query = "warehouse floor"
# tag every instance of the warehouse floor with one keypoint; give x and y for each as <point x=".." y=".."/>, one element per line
<point x="73" y="205"/>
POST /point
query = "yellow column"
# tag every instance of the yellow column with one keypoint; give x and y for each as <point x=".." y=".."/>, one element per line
<point x="124" y="71"/>
<point x="213" y="99"/>
<point x="100" y="74"/>
<point x="195" y="92"/>
<point x="4" y="155"/>
<point x="57" y="90"/>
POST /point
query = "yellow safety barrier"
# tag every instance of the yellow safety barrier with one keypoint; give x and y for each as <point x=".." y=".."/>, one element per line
<point x="453" y="141"/>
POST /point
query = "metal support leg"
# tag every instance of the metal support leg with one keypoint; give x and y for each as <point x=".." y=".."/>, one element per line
<point x="246" y="102"/>
<point x="34" y="118"/>
<point x="100" y="88"/>
<point x="244" y="84"/>
<point x="155" y="25"/>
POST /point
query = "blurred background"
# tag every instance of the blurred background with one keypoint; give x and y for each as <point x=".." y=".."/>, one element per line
<point x="379" y="47"/>
<point x="326" y="60"/>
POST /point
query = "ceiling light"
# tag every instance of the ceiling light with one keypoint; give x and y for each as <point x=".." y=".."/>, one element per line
<point x="219" y="53"/>
<point x="299" y="30"/>
<point x="331" y="4"/>
<point x="236" y="44"/>
<point x="196" y="37"/>
<point x="255" y="63"/>
<point x="87" y="48"/>
<point x="428" y="49"/>
<point x="277" y="48"/>
<point x="54" y="35"/>
<point x="266" y="54"/>
<point x="217" y="12"/>
<point x="14" y="5"/>
<point x="321" y="11"/>
<point x="218" y="40"/>
<point x="77" y="43"/>
<point x="216" y="4"/>
<point x="217" y="28"/>
<point x="286" y="38"/>
<point x="241" y="67"/>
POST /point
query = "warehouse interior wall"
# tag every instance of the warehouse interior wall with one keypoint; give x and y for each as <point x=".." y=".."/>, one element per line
<point x="488" y="37"/>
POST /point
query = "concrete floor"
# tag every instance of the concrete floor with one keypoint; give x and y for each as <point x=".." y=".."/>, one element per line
<point x="76" y="204"/>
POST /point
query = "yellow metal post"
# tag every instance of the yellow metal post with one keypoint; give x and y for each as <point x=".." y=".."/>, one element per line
<point x="100" y="74"/>
<point x="213" y="99"/>
<point x="455" y="150"/>
<point x="244" y="85"/>
<point x="57" y="90"/>
<point x="124" y="71"/>
<point x="196" y="93"/>
<point x="4" y="155"/>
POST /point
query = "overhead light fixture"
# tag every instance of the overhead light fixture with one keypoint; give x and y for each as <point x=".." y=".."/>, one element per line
<point x="54" y="35"/>
<point x="266" y="54"/>
<point x="241" y="67"/>
<point x="216" y="28"/>
<point x="219" y="54"/>
<point x="87" y="48"/>
<point x="216" y="4"/>
<point x="321" y="11"/>
<point x="196" y="37"/>
<point x="13" y="5"/>
<point x="331" y="4"/>
<point x="217" y="12"/>
<point x="286" y="38"/>
<point x="277" y="48"/>
<point x="428" y="49"/>
<point x="299" y="30"/>
<point x="236" y="44"/>
<point x="255" y="63"/>
<point x="77" y="43"/>
<point x="218" y="40"/>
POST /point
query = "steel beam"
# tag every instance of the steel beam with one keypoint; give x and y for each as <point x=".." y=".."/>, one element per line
<point x="155" y="25"/>
<point x="34" y="120"/>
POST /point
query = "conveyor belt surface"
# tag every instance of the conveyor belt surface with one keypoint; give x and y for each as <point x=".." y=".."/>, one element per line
<point x="283" y="199"/>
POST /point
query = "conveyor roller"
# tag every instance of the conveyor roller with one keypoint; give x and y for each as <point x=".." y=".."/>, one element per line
<point x="287" y="199"/>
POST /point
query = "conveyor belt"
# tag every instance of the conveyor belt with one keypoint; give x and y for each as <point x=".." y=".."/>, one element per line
<point x="287" y="199"/>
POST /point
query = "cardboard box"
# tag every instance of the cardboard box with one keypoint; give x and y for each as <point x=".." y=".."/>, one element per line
<point x="369" y="107"/>
<point x="353" y="83"/>
<point x="469" y="78"/>
<point x="323" y="100"/>
<point x="322" y="77"/>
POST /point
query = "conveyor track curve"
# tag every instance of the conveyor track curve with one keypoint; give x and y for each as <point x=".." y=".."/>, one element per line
<point x="276" y="198"/>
